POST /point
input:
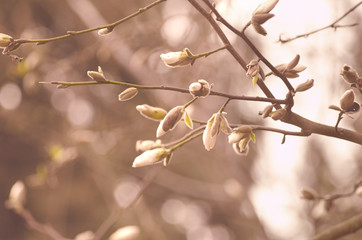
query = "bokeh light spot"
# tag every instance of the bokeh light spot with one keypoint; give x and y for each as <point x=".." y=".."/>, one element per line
<point x="10" y="96"/>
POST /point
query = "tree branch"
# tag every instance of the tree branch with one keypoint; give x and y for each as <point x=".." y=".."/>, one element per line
<point x="349" y="226"/>
<point x="332" y="25"/>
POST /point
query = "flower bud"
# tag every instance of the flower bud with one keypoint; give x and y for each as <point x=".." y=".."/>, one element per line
<point x="144" y="145"/>
<point x="279" y="114"/>
<point x="349" y="74"/>
<point x="265" y="7"/>
<point x="126" y="233"/>
<point x="347" y="100"/>
<point x="253" y="68"/>
<point x="105" y="31"/>
<point x="259" y="29"/>
<point x="261" y="18"/>
<point x="152" y="113"/>
<point x="308" y="194"/>
<point x="5" y="40"/>
<point x="178" y="59"/>
<point x="150" y="157"/>
<point x="97" y="76"/>
<point x="211" y="131"/>
<point x="239" y="151"/>
<point x="305" y="86"/>
<point x="240" y="133"/>
<point x="17" y="196"/>
<point x="128" y="94"/>
<point x="87" y="235"/>
<point x="266" y="111"/>
<point x="170" y="121"/>
<point x="201" y="88"/>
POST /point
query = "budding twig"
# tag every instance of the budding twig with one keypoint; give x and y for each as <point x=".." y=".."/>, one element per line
<point x="332" y="25"/>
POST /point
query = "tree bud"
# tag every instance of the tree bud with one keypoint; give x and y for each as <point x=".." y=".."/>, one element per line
<point x="266" y="111"/>
<point x="224" y="124"/>
<point x="305" y="86"/>
<point x="279" y="114"/>
<point x="259" y="29"/>
<point x="347" y="100"/>
<point x="201" y="88"/>
<point x="105" y="31"/>
<point x="144" y="145"/>
<point x="170" y="121"/>
<point x="211" y="131"/>
<point x="308" y="194"/>
<point x="97" y="76"/>
<point x="126" y="233"/>
<point x="128" y="94"/>
<point x="152" y="113"/>
<point x="17" y="196"/>
<point x="240" y="133"/>
<point x="261" y="18"/>
<point x="253" y="68"/>
<point x="177" y="59"/>
<point x="5" y="40"/>
<point x="150" y="157"/>
<point x="349" y="74"/>
<point x="265" y="7"/>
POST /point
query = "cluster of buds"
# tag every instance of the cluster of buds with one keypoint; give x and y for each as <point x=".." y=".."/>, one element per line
<point x="240" y="138"/>
<point x="201" y="88"/>
<point x="253" y="70"/>
<point x="291" y="69"/>
<point x="214" y="124"/>
<point x="350" y="75"/>
<point x="178" y="59"/>
<point x="275" y="115"/>
<point x="261" y="15"/>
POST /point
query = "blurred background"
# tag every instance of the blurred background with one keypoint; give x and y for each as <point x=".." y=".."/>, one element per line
<point x="74" y="147"/>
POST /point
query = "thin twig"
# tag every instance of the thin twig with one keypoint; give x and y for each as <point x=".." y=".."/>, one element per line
<point x="168" y="88"/>
<point x="16" y="43"/>
<point x="332" y="25"/>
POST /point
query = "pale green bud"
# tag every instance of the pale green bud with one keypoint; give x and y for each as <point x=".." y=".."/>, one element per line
<point x="5" y="40"/>
<point x="150" y="157"/>
<point x="152" y="113"/>
<point x="177" y="59"/>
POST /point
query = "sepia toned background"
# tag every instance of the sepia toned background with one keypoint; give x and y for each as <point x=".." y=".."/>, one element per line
<point x="74" y="147"/>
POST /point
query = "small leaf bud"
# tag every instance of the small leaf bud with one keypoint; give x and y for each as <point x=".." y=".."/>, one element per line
<point x="144" y="145"/>
<point x="97" y="76"/>
<point x="150" y="157"/>
<point x="224" y="124"/>
<point x="17" y="196"/>
<point x="347" y="100"/>
<point x="126" y="233"/>
<point x="253" y="68"/>
<point x="293" y="63"/>
<point x="259" y="29"/>
<point x="128" y="94"/>
<point x="105" y="31"/>
<point x="265" y="7"/>
<point x="266" y="111"/>
<point x="152" y="113"/>
<point x="170" y="121"/>
<point x="5" y="40"/>
<point x="305" y="86"/>
<point x="308" y="194"/>
<point x="261" y="18"/>
<point x="211" y="131"/>
<point x="349" y="74"/>
<point x="178" y="59"/>
<point x="201" y="88"/>
<point x="278" y="114"/>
